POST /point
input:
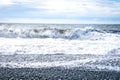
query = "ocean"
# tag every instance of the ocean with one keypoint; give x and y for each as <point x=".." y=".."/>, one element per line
<point x="59" y="49"/>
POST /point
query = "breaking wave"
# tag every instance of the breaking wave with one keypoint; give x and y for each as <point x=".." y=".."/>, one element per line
<point x="59" y="39"/>
<point x="79" y="33"/>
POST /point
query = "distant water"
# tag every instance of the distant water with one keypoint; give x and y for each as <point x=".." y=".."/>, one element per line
<point x="62" y="39"/>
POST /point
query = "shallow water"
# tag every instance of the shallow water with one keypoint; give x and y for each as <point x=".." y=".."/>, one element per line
<point x="67" y="61"/>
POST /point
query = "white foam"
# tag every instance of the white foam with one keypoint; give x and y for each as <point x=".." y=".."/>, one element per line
<point x="54" y="46"/>
<point x="83" y="63"/>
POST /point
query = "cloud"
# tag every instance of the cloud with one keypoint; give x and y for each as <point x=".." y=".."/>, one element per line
<point x="13" y="2"/>
<point x="67" y="9"/>
<point x="5" y="2"/>
<point x="77" y="7"/>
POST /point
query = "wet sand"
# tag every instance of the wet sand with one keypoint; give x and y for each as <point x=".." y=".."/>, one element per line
<point x="56" y="73"/>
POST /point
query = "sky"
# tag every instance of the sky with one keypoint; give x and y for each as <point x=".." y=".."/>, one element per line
<point x="60" y="11"/>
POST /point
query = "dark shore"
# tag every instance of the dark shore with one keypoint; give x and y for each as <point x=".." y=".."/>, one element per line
<point x="56" y="73"/>
<point x="59" y="73"/>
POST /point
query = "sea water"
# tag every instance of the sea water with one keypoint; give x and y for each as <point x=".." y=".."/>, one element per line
<point x="102" y="41"/>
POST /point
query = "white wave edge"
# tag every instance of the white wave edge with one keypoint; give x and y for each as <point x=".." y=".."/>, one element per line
<point x="65" y="64"/>
<point x="54" y="46"/>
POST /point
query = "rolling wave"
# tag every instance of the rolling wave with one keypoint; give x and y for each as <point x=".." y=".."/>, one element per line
<point x="79" y="33"/>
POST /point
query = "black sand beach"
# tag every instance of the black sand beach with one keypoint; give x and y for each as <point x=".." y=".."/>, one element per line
<point x="56" y="73"/>
<point x="80" y="72"/>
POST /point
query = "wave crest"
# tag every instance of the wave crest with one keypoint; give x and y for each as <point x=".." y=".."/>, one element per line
<point x="86" y="33"/>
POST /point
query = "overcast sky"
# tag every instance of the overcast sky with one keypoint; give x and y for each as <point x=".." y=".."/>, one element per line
<point x="60" y="11"/>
